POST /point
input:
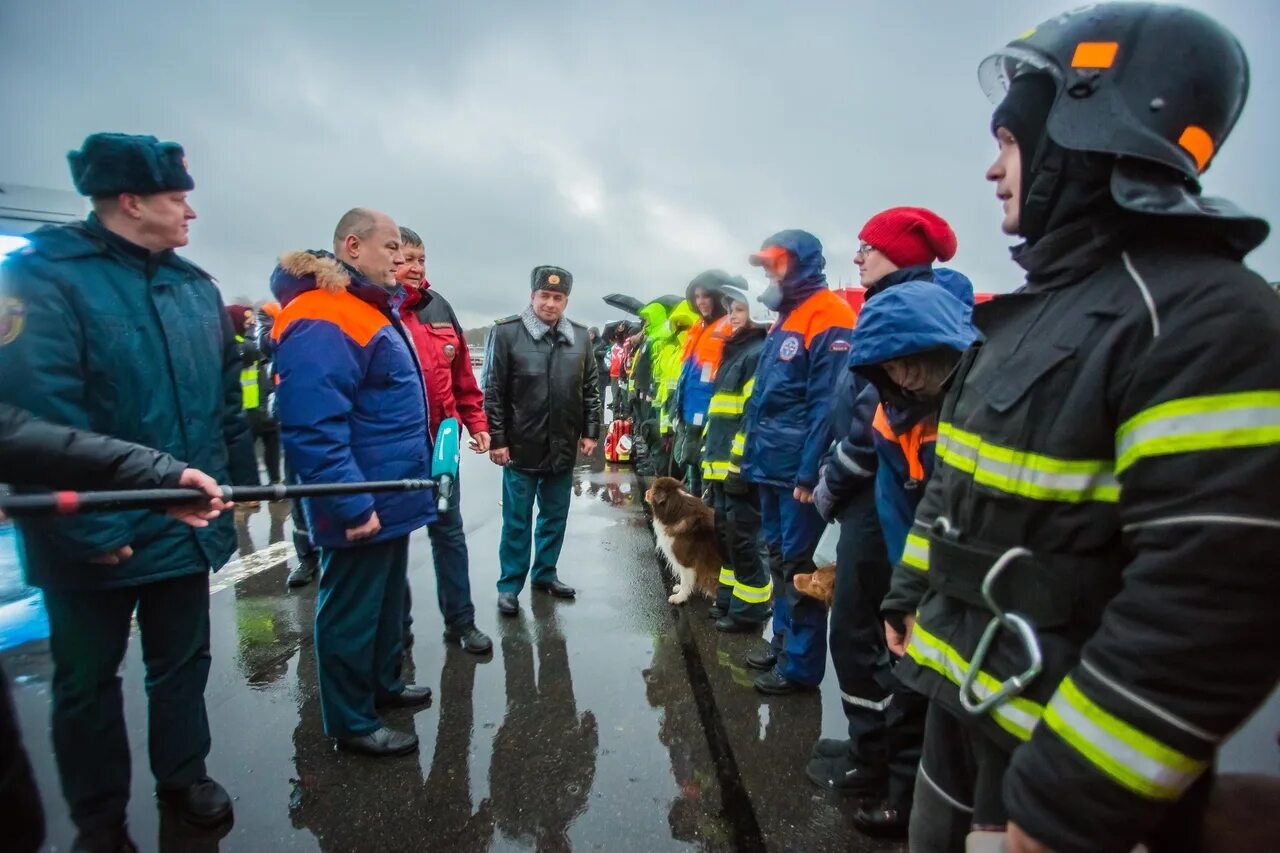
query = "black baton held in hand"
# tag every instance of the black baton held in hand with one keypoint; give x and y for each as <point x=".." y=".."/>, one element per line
<point x="75" y="503"/>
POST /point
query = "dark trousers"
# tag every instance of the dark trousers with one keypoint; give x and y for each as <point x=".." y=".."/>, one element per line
<point x="886" y="719"/>
<point x="791" y="530"/>
<point x="88" y="635"/>
<point x="21" y="813"/>
<point x="452" y="565"/>
<point x="961" y="787"/>
<point x="519" y="491"/>
<point x="359" y="632"/>
<point x="302" y="545"/>
<point x="266" y="430"/>
<point x="749" y="590"/>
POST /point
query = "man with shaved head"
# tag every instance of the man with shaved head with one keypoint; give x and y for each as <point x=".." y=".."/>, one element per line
<point x="353" y="407"/>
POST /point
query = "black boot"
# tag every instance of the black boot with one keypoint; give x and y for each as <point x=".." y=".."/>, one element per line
<point x="114" y="840"/>
<point x="841" y="774"/>
<point x="412" y="696"/>
<point x="557" y="589"/>
<point x="764" y="659"/>
<point x="473" y="639"/>
<point x="203" y="803"/>
<point x="882" y="821"/>
<point x="774" y="683"/>
<point x="304" y="573"/>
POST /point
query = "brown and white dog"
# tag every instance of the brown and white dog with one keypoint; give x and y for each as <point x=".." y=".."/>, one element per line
<point x="819" y="584"/>
<point x="686" y="531"/>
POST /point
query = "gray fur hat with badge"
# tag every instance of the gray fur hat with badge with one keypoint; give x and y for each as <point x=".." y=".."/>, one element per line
<point x="546" y="277"/>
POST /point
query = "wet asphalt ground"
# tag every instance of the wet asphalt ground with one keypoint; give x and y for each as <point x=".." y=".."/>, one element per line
<point x="613" y="722"/>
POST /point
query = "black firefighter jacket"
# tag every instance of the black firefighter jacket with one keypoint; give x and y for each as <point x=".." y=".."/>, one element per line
<point x="540" y="394"/>
<point x="1121" y="422"/>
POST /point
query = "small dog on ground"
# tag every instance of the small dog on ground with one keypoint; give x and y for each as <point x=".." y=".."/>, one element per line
<point x="685" y="528"/>
<point x="819" y="584"/>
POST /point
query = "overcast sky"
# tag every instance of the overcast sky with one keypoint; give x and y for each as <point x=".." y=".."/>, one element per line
<point x="636" y="144"/>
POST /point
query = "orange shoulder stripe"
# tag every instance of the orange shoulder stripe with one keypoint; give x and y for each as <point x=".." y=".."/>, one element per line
<point x="822" y="311"/>
<point x="357" y="318"/>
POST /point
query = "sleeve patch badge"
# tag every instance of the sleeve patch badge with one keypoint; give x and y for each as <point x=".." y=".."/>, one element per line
<point x="840" y="346"/>
<point x="13" y="316"/>
<point x="790" y="347"/>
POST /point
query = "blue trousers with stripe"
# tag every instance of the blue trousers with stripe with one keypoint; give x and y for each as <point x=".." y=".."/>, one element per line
<point x="791" y="530"/>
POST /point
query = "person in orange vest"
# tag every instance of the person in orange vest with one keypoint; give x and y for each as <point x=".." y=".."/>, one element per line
<point x="787" y="430"/>
<point x="703" y="350"/>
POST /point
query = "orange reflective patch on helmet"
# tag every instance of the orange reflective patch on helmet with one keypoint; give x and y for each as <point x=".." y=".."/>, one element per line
<point x="1095" y="54"/>
<point x="1198" y="144"/>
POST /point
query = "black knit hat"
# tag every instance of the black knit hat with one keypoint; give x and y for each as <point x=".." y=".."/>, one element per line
<point x="558" y="279"/>
<point x="112" y="163"/>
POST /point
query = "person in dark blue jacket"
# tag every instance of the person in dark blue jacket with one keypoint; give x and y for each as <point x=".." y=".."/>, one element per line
<point x="353" y="407"/>
<point x="107" y="329"/>
<point x="787" y="430"/>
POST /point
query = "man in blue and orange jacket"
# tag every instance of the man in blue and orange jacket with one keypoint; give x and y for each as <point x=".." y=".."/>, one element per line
<point x="353" y="407"/>
<point x="787" y="432"/>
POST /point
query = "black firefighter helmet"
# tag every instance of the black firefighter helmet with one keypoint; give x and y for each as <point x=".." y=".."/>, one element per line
<point x="1148" y="83"/>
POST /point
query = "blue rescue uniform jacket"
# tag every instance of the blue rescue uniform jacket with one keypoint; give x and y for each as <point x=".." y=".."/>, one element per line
<point x="102" y="335"/>
<point x="786" y="425"/>
<point x="351" y="401"/>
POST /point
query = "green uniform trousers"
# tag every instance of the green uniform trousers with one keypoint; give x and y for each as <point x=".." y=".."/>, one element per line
<point x="519" y="490"/>
<point x="360" y="632"/>
<point x="88" y="635"/>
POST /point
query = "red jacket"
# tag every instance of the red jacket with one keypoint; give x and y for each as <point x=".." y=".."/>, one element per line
<point x="452" y="391"/>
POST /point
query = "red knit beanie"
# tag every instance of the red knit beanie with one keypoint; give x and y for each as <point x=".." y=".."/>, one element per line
<point x="910" y="236"/>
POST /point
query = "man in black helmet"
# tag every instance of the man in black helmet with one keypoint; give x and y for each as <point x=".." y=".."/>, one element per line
<point x="1095" y="615"/>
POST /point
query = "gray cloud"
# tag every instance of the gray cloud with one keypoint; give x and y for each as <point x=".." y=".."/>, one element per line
<point x="634" y="145"/>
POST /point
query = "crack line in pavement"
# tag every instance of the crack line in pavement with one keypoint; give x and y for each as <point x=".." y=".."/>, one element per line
<point x="735" y="803"/>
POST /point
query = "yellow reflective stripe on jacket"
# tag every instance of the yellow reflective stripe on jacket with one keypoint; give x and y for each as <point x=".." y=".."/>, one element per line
<point x="753" y="594"/>
<point x="1211" y="422"/>
<point x="726" y="576"/>
<point x="250" y="394"/>
<point x="1026" y="474"/>
<point x="718" y="470"/>
<point x="727" y="403"/>
<point x="916" y="554"/>
<point x="739" y="445"/>
<point x="1017" y="716"/>
<point x="1128" y="756"/>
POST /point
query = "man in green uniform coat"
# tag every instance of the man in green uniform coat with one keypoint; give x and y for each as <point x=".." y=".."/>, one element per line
<point x="106" y="329"/>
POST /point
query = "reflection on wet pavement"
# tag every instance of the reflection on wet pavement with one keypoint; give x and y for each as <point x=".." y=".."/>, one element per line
<point x="613" y="722"/>
<point x="579" y="732"/>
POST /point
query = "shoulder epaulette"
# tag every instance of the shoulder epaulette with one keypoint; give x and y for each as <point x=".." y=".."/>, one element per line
<point x="510" y="318"/>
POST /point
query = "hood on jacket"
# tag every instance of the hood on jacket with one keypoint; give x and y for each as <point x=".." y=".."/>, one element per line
<point x="714" y="282"/>
<point x="682" y="317"/>
<point x="909" y="319"/>
<point x="301" y="271"/>
<point x="654" y="317"/>
<point x="805" y="276"/>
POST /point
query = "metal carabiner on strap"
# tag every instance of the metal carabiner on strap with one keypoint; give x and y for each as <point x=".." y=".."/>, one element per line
<point x="1010" y="687"/>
